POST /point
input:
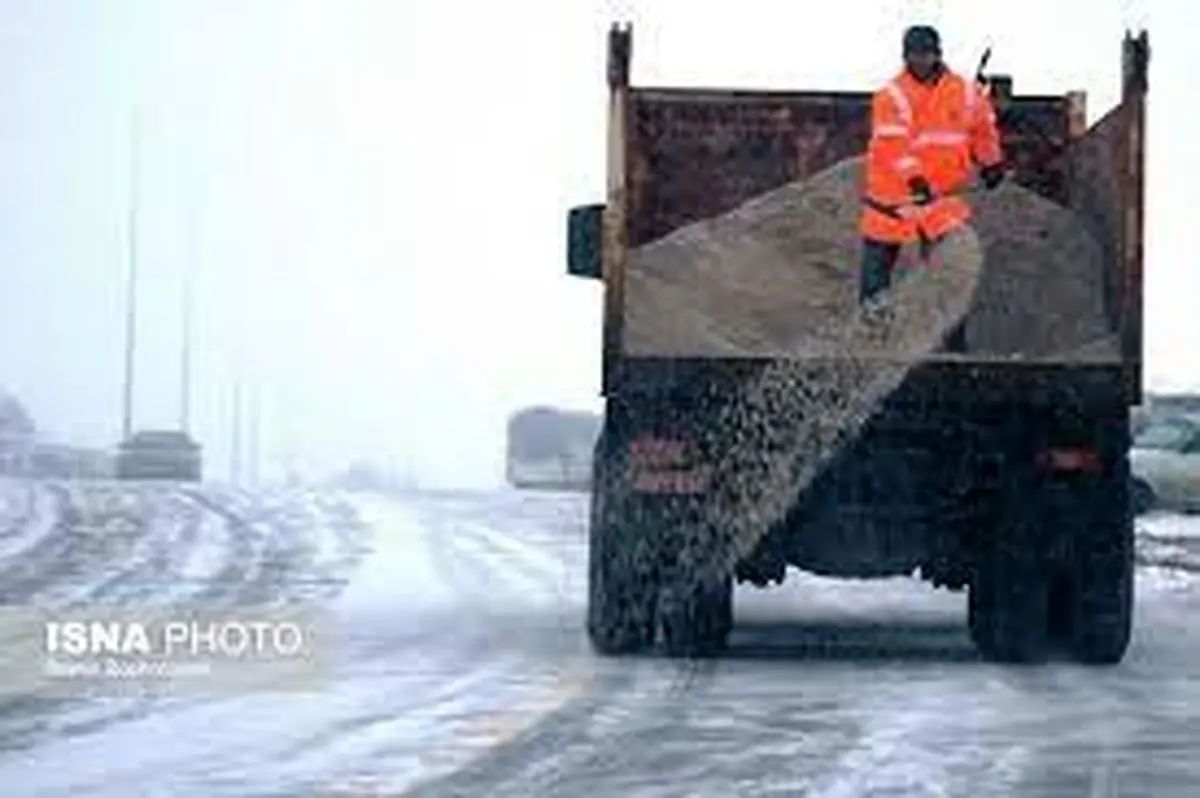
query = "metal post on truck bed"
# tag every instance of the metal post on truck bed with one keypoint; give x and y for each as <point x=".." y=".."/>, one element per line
<point x="616" y="227"/>
<point x="1135" y="59"/>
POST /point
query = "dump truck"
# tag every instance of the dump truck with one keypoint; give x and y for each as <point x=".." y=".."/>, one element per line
<point x="1004" y="474"/>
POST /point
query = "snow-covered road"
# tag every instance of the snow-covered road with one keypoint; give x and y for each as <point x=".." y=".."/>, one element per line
<point x="461" y="667"/>
<point x="835" y="688"/>
<point x="422" y="600"/>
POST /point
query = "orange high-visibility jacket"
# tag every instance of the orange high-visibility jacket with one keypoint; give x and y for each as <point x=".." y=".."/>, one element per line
<point x="938" y="132"/>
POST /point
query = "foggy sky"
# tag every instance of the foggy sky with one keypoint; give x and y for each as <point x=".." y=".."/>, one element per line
<point x="376" y="195"/>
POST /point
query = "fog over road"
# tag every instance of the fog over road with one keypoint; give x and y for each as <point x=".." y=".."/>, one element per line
<point x="461" y="667"/>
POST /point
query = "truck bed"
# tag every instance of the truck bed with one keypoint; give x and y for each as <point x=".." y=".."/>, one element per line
<point x="694" y="159"/>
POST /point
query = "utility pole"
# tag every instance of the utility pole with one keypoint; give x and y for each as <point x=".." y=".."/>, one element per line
<point x="185" y="355"/>
<point x="252" y="435"/>
<point x="237" y="442"/>
<point x="132" y="277"/>
<point x="235" y="436"/>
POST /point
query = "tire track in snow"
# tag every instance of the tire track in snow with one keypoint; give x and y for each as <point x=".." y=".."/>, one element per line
<point x="603" y="727"/>
<point x="148" y="574"/>
<point x="468" y="540"/>
<point x="1169" y="541"/>
<point x="237" y="582"/>
<point x="385" y="720"/>
<point x="531" y="574"/>
<point x="274" y="551"/>
<point x="21" y="530"/>
<point x="80" y="549"/>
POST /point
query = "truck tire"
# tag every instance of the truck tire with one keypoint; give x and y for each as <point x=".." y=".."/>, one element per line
<point x="1008" y="610"/>
<point x="1103" y="575"/>
<point x="622" y="590"/>
<point x="696" y="617"/>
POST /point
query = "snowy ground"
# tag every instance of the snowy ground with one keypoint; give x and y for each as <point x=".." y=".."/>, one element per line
<point x="461" y="668"/>
<point x="1169" y="541"/>
<point x="420" y="596"/>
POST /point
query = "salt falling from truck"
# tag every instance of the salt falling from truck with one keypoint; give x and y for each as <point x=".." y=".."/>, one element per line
<point x="776" y="278"/>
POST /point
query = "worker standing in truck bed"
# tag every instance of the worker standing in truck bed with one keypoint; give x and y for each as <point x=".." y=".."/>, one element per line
<point x="929" y="128"/>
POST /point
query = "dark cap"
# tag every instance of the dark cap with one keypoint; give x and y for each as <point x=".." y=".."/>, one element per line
<point x="922" y="39"/>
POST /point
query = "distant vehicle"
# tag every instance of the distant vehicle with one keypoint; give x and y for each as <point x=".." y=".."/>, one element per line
<point x="1165" y="461"/>
<point x="159" y="454"/>
<point x="551" y="449"/>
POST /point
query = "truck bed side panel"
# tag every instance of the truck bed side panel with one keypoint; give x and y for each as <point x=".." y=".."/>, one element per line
<point x="1106" y="178"/>
<point x="697" y="154"/>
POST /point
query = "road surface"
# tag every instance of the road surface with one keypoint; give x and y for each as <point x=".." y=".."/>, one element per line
<point x="462" y="669"/>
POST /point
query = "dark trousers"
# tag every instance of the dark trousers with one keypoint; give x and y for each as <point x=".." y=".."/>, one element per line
<point x="875" y="276"/>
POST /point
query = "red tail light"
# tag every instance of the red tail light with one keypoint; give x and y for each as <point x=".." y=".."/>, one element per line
<point x="664" y="465"/>
<point x="1070" y="459"/>
<point x="651" y="452"/>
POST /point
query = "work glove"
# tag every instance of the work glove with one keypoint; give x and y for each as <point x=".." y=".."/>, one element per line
<point x="922" y="192"/>
<point x="992" y="176"/>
